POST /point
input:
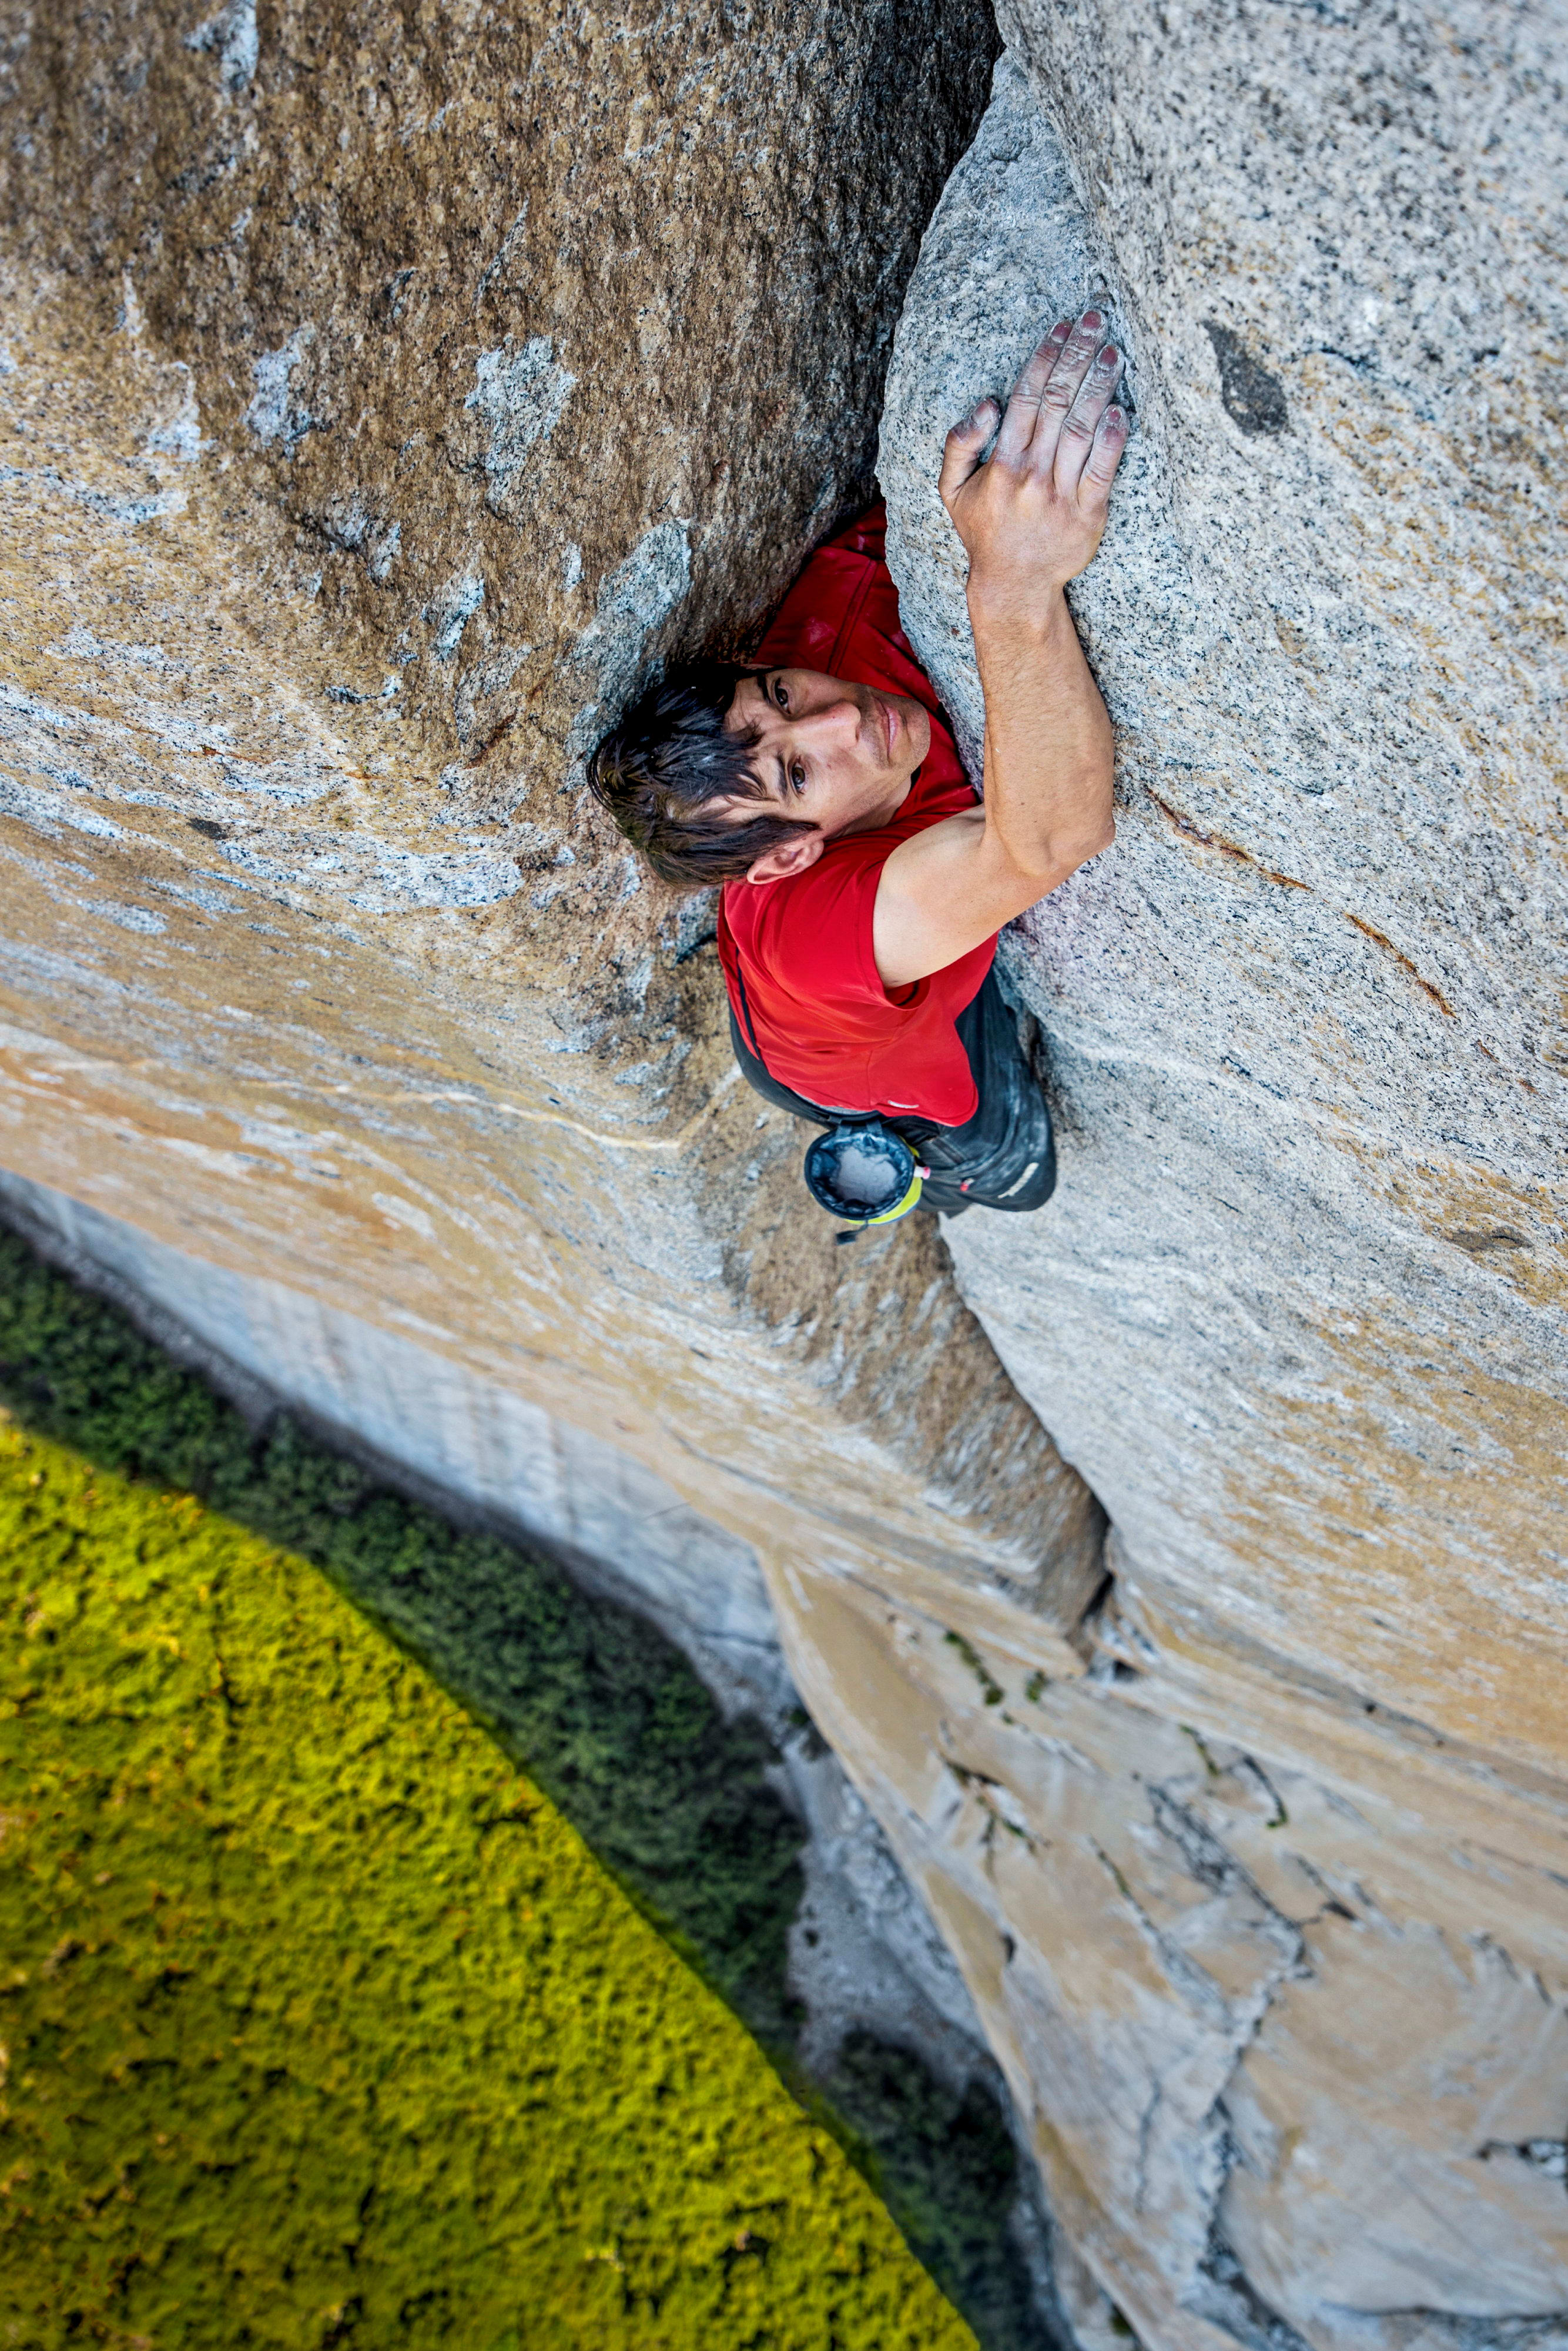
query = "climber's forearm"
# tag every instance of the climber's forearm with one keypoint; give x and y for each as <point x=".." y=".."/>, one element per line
<point x="1049" y="752"/>
<point x="1030" y="517"/>
<point x="1048" y="798"/>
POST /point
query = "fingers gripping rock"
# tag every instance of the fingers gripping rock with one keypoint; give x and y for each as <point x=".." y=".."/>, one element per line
<point x="980" y="327"/>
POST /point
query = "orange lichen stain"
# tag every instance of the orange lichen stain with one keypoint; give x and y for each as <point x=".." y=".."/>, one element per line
<point x="1191" y="831"/>
<point x="1380" y="939"/>
<point x="1513" y="1230"/>
<point x="1349" y="1542"/>
<point x="1233" y="850"/>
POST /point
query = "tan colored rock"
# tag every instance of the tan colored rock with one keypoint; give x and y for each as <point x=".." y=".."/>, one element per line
<point x="348" y="983"/>
<point x="380" y="397"/>
<point x="383" y="395"/>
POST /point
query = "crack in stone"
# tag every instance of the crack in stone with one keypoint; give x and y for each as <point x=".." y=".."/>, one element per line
<point x="1185" y="825"/>
<point x="1213" y="1865"/>
<point x="1547" y="2156"/>
<point x="1145" y="2126"/>
<point x="1196" y="1986"/>
<point x="1225" y="2296"/>
<point x="1380" y="939"/>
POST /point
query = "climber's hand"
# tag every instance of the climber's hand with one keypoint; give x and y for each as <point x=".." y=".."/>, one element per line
<point x="1032" y="516"/>
<point x="1031" y="520"/>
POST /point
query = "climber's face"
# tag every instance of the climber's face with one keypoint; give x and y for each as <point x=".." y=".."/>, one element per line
<point x="840" y="756"/>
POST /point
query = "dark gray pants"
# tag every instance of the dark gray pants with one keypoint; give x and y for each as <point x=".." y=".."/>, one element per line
<point x="1003" y="1158"/>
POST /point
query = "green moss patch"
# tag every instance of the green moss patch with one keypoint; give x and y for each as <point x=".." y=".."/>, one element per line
<point x="323" y="2026"/>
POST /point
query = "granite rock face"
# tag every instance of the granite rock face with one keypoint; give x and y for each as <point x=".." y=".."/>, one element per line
<point x="1296" y="1310"/>
<point x="383" y="395"/>
<point x="321" y="572"/>
<point x="482" y="351"/>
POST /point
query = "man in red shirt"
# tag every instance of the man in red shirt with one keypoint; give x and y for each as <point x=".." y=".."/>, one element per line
<point x="864" y="886"/>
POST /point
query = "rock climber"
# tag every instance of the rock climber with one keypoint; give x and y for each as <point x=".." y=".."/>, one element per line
<point x="862" y="884"/>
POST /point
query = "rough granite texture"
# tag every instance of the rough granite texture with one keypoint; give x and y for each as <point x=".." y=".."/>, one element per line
<point x="383" y="395"/>
<point x="1296" y="1310"/>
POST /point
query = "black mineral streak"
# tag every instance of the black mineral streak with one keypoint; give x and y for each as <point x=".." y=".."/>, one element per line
<point x="1254" y="398"/>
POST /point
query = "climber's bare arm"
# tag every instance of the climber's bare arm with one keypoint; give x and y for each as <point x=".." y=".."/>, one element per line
<point x="1031" y="520"/>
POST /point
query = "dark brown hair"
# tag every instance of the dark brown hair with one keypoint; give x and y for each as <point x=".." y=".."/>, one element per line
<point x="667" y="771"/>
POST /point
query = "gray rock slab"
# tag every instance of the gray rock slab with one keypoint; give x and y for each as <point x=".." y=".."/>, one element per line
<point x="1295" y="1312"/>
<point x="1295" y="1309"/>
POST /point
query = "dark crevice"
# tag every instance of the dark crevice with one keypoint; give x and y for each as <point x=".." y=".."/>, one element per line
<point x="1224" y="2295"/>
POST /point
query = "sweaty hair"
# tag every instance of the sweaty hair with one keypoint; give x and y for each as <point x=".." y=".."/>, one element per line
<point x="669" y="770"/>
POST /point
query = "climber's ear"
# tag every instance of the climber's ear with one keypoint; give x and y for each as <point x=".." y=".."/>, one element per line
<point x="785" y="857"/>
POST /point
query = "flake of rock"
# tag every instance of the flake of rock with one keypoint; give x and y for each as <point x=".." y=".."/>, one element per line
<point x="1295" y="1309"/>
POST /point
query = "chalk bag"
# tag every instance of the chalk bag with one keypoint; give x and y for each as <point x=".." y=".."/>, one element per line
<point x="864" y="1174"/>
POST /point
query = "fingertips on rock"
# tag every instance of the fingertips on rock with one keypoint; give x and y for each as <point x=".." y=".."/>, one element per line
<point x="1109" y="439"/>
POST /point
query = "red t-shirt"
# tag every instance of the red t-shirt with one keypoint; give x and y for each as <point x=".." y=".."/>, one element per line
<point x="813" y="1005"/>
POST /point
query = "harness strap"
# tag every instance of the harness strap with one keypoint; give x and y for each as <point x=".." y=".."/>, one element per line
<point x="745" y="1009"/>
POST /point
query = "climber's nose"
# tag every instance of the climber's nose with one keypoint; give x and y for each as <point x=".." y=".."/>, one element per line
<point x="841" y="723"/>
